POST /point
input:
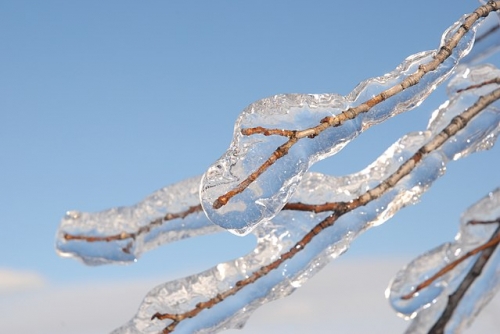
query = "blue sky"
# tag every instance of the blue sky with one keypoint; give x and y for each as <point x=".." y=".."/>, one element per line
<point x="101" y="103"/>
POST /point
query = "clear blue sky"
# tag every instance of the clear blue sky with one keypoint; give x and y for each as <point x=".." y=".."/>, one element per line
<point x="103" y="102"/>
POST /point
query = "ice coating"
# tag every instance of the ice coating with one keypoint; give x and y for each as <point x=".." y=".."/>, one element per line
<point x="428" y="306"/>
<point x="276" y="237"/>
<point x="122" y="234"/>
<point x="266" y="195"/>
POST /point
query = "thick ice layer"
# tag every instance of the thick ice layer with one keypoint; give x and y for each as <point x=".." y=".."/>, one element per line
<point x="429" y="304"/>
<point x="266" y="195"/>
<point x="122" y="234"/>
<point x="276" y="237"/>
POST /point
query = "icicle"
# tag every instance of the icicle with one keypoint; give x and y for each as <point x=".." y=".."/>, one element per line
<point x="268" y="193"/>
<point x="270" y="272"/>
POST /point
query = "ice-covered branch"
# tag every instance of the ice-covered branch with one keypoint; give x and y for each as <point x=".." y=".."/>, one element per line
<point x="296" y="244"/>
<point x="122" y="234"/>
<point x="449" y="267"/>
<point x="446" y="288"/>
<point x="253" y="180"/>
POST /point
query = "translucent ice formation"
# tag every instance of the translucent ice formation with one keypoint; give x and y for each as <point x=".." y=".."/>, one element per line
<point x="266" y="194"/>
<point x="294" y="245"/>
<point x="428" y="304"/>
<point x="122" y="234"/>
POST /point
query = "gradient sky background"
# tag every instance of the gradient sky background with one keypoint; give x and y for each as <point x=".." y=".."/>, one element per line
<point x="101" y="103"/>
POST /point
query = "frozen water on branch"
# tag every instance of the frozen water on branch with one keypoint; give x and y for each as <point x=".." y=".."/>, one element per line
<point x="122" y="234"/>
<point x="429" y="304"/>
<point x="265" y="197"/>
<point x="277" y="236"/>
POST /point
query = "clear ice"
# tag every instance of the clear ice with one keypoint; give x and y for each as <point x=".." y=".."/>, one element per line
<point x="267" y="195"/>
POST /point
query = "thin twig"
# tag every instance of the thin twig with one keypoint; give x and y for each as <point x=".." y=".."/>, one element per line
<point x="482" y="84"/>
<point x="278" y="154"/>
<point x="132" y="235"/>
<point x="268" y="132"/>
<point x="484" y="222"/>
<point x="456" y="124"/>
<point x="316" y="208"/>
<point x="333" y="121"/>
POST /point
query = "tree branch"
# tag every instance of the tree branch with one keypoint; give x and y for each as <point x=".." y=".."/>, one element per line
<point x="132" y="235"/>
<point x="351" y="113"/>
<point x="495" y="239"/>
